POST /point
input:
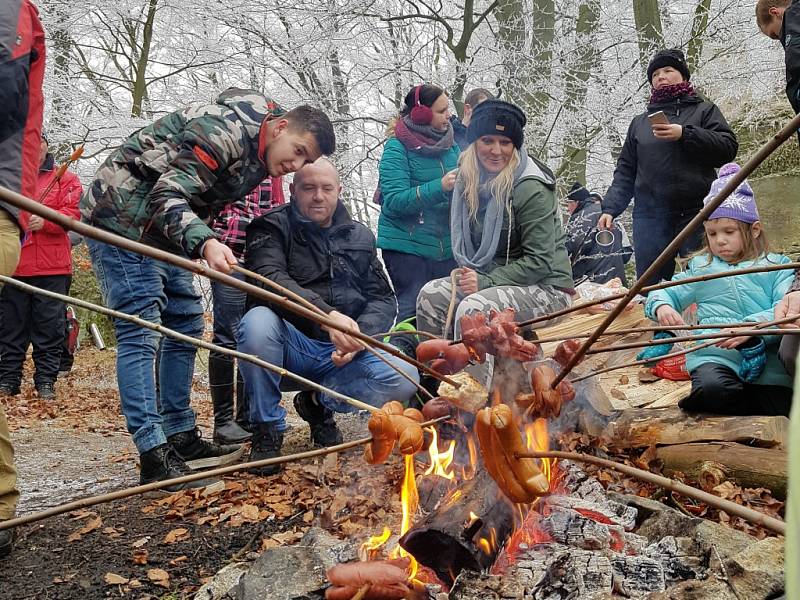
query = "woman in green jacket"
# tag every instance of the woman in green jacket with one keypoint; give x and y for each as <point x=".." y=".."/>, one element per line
<point x="505" y="228"/>
<point x="417" y="175"/>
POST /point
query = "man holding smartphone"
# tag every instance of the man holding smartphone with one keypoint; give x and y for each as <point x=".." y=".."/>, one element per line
<point x="667" y="163"/>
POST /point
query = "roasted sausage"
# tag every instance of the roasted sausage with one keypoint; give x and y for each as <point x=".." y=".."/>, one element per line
<point x="375" y="573"/>
<point x="438" y="407"/>
<point x="495" y="460"/>
<point x="376" y="592"/>
<point x="565" y="351"/>
<point x="526" y="470"/>
<point x="445" y="358"/>
<point x="408" y="432"/>
<point x="383" y="438"/>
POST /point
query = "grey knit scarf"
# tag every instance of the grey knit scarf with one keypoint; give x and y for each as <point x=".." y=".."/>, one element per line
<point x="463" y="249"/>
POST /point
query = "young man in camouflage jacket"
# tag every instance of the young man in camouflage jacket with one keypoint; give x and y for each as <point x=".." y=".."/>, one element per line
<point x="163" y="186"/>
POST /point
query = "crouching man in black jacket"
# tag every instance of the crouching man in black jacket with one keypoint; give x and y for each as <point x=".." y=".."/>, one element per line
<point x="312" y="247"/>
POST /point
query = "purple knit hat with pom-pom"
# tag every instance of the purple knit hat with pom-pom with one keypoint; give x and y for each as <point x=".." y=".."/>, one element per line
<point x="740" y="205"/>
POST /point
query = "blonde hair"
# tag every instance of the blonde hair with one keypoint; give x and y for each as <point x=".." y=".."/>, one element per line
<point x="753" y="247"/>
<point x="762" y="10"/>
<point x="501" y="186"/>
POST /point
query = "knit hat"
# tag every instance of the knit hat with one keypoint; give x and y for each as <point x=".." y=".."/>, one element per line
<point x="497" y="117"/>
<point x="740" y="205"/>
<point x="578" y="193"/>
<point x="669" y="57"/>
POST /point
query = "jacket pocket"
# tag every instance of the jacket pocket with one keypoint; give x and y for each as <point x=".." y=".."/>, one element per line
<point x="52" y="255"/>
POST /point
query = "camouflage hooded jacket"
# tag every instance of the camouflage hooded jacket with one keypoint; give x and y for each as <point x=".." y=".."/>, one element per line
<point x="167" y="181"/>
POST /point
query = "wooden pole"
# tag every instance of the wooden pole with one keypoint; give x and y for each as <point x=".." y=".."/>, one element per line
<point x="672" y="249"/>
<point x="107" y="237"/>
<point x="157" y="485"/>
<point x="737" y="510"/>
<point x="189" y="340"/>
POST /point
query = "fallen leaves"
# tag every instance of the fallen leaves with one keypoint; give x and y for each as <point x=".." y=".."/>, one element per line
<point x="114" y="579"/>
<point x="176" y="535"/>
<point x="159" y="577"/>
<point x="90" y="526"/>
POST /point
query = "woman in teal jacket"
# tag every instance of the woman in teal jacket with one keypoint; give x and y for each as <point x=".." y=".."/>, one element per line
<point x="740" y="375"/>
<point x="417" y="175"/>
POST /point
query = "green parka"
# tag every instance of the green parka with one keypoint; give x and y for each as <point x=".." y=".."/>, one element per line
<point x="415" y="214"/>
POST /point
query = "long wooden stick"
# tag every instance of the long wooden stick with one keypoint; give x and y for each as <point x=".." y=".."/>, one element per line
<point x="300" y="300"/>
<point x="76" y="154"/>
<point x="157" y="485"/>
<point x="107" y="237"/>
<point x="737" y="510"/>
<point x="189" y="340"/>
<point x="672" y="249"/>
<point x="657" y="328"/>
<point x="693" y="338"/>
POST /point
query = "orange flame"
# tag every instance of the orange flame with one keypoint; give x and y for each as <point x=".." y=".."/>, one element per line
<point x="409" y="500"/>
<point x="440" y="461"/>
<point x="488" y="546"/>
<point x="472" y="468"/>
<point x="369" y="549"/>
<point x="537" y="439"/>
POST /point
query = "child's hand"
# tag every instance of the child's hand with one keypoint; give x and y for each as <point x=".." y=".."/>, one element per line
<point x="669" y="316"/>
<point x="733" y="342"/>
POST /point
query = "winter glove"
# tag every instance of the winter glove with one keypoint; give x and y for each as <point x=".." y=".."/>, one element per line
<point x="656" y="352"/>
<point x="754" y="359"/>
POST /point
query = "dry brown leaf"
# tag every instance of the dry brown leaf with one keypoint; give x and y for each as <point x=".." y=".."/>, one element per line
<point x="268" y="543"/>
<point x="141" y="542"/>
<point x="176" y="535"/>
<point x="88" y="528"/>
<point x="140" y="556"/>
<point x="308" y="516"/>
<point x="159" y="577"/>
<point x="179" y="560"/>
<point x="114" y="579"/>
<point x="249" y="512"/>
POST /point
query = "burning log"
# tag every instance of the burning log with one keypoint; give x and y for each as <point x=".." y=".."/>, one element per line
<point x="466" y="531"/>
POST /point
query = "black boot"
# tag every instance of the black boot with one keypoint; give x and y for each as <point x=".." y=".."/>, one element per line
<point x="200" y="454"/>
<point x="220" y="380"/>
<point x="6" y="541"/>
<point x="324" y="431"/>
<point x="267" y="442"/>
<point x="162" y="463"/>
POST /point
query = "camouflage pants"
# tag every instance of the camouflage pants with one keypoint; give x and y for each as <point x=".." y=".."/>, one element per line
<point x="528" y="302"/>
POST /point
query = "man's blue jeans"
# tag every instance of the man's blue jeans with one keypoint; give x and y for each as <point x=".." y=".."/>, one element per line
<point x="159" y="293"/>
<point x="366" y="378"/>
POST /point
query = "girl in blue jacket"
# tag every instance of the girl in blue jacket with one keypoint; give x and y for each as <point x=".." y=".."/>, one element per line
<point x="739" y="375"/>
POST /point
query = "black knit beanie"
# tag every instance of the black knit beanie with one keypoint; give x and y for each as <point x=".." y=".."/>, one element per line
<point x="669" y="57"/>
<point x="497" y="117"/>
<point x="578" y="193"/>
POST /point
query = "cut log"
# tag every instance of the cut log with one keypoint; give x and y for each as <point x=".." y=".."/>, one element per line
<point x="637" y="428"/>
<point x="744" y="465"/>
<point x="450" y="539"/>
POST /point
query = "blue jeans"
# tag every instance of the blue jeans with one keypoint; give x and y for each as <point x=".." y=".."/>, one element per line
<point x="159" y="293"/>
<point x="653" y="233"/>
<point x="366" y="378"/>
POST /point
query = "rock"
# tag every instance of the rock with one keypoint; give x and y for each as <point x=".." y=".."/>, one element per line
<point x="709" y="589"/>
<point x="222" y="583"/>
<point x="757" y="572"/>
<point x="295" y="572"/>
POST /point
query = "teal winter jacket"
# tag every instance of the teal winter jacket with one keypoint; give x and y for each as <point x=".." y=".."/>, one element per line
<point x="415" y="214"/>
<point x="750" y="297"/>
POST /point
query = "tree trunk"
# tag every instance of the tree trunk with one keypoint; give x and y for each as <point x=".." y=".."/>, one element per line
<point x="699" y="24"/>
<point x="140" y="69"/>
<point x="647" y="18"/>
<point x="573" y="167"/>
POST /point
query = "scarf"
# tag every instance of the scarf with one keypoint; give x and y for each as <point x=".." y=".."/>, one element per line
<point x="423" y="139"/>
<point x="670" y="92"/>
<point x="463" y="249"/>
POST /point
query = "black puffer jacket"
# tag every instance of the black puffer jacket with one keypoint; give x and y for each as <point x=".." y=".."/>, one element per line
<point x="668" y="178"/>
<point x="336" y="268"/>
<point x="790" y="40"/>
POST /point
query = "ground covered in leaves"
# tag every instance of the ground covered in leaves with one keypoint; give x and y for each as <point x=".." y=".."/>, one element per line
<point x="168" y="546"/>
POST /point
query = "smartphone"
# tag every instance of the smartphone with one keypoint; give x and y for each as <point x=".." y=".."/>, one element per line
<point x="658" y="118"/>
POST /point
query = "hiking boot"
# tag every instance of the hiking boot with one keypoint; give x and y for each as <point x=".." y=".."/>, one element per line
<point x="46" y="391"/>
<point x="230" y="432"/>
<point x="267" y="442"/>
<point x="324" y="431"/>
<point x="6" y="541"/>
<point x="162" y="463"/>
<point x="200" y="454"/>
<point x="9" y="389"/>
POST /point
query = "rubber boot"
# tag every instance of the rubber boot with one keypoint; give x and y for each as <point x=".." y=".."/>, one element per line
<point x="220" y="379"/>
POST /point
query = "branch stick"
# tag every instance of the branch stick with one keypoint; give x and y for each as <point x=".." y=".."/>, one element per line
<point x="671" y="250"/>
<point x="300" y="300"/>
<point x="197" y="267"/>
<point x="157" y="485"/>
<point x="189" y="340"/>
<point x="748" y="514"/>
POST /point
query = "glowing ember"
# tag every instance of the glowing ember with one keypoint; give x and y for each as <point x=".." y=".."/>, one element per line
<point x="440" y="461"/>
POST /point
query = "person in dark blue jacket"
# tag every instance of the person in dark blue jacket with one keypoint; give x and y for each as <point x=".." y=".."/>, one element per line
<point x="667" y="167"/>
<point x="471" y="100"/>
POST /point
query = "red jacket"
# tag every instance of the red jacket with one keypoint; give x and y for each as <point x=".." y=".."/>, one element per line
<point x="48" y="250"/>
